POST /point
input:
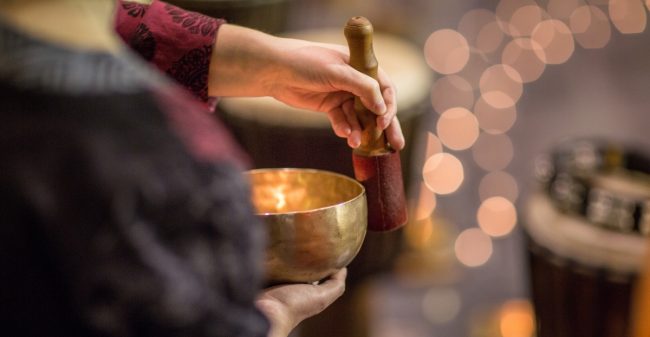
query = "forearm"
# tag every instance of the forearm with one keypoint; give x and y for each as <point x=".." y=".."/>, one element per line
<point x="243" y="62"/>
<point x="303" y="74"/>
<point x="178" y="42"/>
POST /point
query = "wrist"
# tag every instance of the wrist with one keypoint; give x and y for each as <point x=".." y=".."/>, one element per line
<point x="279" y="319"/>
<point x="278" y="331"/>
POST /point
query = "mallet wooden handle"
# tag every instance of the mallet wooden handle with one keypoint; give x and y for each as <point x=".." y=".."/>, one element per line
<point x="376" y="165"/>
<point x="358" y="32"/>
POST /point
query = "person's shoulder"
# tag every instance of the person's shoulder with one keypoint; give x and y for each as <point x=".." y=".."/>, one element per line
<point x="97" y="145"/>
<point x="43" y="129"/>
<point x="205" y="136"/>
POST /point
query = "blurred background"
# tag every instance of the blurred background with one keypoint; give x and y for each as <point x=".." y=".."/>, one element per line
<point x="484" y="89"/>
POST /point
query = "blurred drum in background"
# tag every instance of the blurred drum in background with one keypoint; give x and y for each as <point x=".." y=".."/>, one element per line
<point x="587" y="232"/>
<point x="641" y="305"/>
<point x="276" y="135"/>
<point x="270" y="16"/>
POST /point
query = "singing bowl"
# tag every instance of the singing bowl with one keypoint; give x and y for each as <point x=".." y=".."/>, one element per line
<point x="316" y="221"/>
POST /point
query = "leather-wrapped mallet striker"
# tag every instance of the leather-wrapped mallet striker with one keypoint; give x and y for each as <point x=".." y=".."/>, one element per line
<point x="376" y="165"/>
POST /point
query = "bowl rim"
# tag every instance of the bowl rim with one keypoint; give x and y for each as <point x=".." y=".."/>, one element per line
<point x="309" y="170"/>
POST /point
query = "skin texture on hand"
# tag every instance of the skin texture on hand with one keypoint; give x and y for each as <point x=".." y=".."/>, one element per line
<point x="303" y="74"/>
<point x="287" y="305"/>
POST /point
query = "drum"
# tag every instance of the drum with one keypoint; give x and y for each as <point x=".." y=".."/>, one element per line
<point x="587" y="242"/>
<point x="276" y="135"/>
<point x="266" y="15"/>
<point x="641" y="305"/>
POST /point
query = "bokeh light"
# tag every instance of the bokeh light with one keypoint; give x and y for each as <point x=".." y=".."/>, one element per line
<point x="458" y="128"/>
<point x="517" y="319"/>
<point x="492" y="152"/>
<point x="524" y="20"/>
<point x="473" y="248"/>
<point x="441" y="305"/>
<point x="443" y="173"/>
<point x="598" y="2"/>
<point x="419" y="235"/>
<point x="520" y="55"/>
<point x="471" y="23"/>
<point x="494" y="120"/>
<point x="562" y="9"/>
<point x="628" y="16"/>
<point x="556" y="41"/>
<point x="475" y="67"/>
<point x="501" y="86"/>
<point x="426" y="203"/>
<point x="451" y="91"/>
<point x="497" y="216"/>
<point x="446" y="51"/>
<point x="498" y="184"/>
<point x="505" y="11"/>
<point x="434" y="146"/>
<point x="480" y="28"/>
<point x="489" y="38"/>
<point x="590" y="27"/>
<point x="399" y="327"/>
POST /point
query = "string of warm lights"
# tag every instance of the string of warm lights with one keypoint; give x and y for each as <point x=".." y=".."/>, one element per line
<point x="482" y="67"/>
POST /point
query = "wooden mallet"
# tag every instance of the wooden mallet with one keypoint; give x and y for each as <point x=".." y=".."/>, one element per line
<point x="376" y="165"/>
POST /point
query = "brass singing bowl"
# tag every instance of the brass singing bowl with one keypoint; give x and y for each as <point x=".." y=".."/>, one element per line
<point x="316" y="221"/>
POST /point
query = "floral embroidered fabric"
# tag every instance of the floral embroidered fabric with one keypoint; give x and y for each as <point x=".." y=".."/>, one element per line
<point x="176" y="41"/>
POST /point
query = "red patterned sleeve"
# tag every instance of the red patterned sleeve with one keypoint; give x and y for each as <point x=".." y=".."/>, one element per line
<point x="176" y="41"/>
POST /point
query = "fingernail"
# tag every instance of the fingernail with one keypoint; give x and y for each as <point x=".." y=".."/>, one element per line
<point x="354" y="143"/>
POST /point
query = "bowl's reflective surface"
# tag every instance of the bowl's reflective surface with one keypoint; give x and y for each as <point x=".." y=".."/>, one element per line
<point x="316" y="221"/>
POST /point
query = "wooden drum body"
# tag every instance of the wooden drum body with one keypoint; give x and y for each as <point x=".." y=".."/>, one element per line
<point x="582" y="276"/>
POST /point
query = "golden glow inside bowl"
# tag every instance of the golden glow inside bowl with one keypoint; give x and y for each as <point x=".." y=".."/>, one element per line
<point x="300" y="190"/>
<point x="316" y="221"/>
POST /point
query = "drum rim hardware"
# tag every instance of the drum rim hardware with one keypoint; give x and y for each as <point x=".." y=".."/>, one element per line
<point x="570" y="174"/>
